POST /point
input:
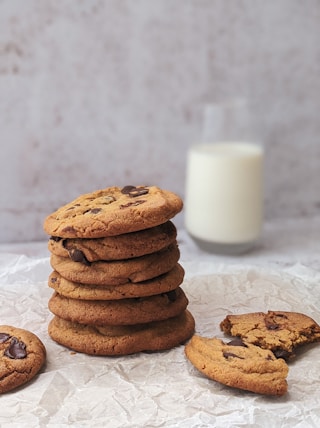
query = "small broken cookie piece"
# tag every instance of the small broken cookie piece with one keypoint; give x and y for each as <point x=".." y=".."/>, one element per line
<point x="281" y="332"/>
<point x="22" y="354"/>
<point x="238" y="365"/>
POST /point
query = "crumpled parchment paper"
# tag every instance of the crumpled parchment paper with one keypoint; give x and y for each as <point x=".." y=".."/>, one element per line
<point x="160" y="389"/>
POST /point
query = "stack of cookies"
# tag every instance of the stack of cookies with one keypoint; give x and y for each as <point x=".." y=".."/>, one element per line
<point x="116" y="273"/>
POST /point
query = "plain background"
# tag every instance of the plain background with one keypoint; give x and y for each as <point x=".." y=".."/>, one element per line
<point x="100" y="93"/>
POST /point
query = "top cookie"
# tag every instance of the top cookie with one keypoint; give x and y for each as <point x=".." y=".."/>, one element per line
<point x="113" y="211"/>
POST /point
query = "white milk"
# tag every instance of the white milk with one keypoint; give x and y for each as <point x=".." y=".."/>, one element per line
<point x="224" y="194"/>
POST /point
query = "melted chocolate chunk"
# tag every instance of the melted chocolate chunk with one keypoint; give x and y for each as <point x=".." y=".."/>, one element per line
<point x="68" y="229"/>
<point x="138" y="192"/>
<point x="4" y="337"/>
<point x="272" y="325"/>
<point x="271" y="321"/>
<point x="237" y="342"/>
<point x="132" y="204"/>
<point x="16" y="349"/>
<point x="94" y="210"/>
<point x="73" y="207"/>
<point x="133" y="191"/>
<point x="78" y="256"/>
<point x="127" y="189"/>
<point x="55" y="238"/>
<point x="231" y="354"/>
<point x="281" y="353"/>
<point x="278" y="314"/>
<point x="172" y="295"/>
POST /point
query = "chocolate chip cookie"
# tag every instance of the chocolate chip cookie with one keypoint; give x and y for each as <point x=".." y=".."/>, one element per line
<point x="113" y="211"/>
<point x="117" y="271"/>
<point x="123" y="340"/>
<point x="125" y="246"/>
<point x="22" y="354"/>
<point x="161" y="284"/>
<point x="281" y="332"/>
<point x="238" y="364"/>
<point x="119" y="312"/>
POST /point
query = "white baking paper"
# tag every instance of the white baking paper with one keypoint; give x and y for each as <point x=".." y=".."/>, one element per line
<point x="161" y="389"/>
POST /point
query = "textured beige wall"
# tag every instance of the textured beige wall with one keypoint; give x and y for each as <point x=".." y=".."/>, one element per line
<point x="97" y="93"/>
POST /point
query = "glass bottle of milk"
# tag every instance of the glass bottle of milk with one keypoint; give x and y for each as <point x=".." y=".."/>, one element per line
<point x="224" y="182"/>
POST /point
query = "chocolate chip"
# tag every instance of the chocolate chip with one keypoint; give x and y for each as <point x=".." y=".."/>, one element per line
<point x="73" y="207"/>
<point x="237" y="342"/>
<point x="4" y="337"/>
<point x="282" y="353"/>
<point x="78" y="256"/>
<point x="68" y="229"/>
<point x="55" y="238"/>
<point x="94" y="210"/>
<point x="172" y="295"/>
<point x="133" y="191"/>
<point x="231" y="354"/>
<point x="127" y="189"/>
<point x="132" y="204"/>
<point x="279" y="314"/>
<point x="16" y="349"/>
<point x="138" y="192"/>
<point x="272" y="325"/>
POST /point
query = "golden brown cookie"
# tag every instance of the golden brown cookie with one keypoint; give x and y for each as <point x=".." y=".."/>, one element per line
<point x="118" y="271"/>
<point x="123" y="340"/>
<point x="239" y="365"/>
<point x="119" y="312"/>
<point x="22" y="354"/>
<point x="113" y="211"/>
<point x="161" y="284"/>
<point x="279" y="331"/>
<point x="126" y="246"/>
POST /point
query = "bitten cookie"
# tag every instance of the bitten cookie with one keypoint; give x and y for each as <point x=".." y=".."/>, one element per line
<point x="22" y="354"/>
<point x="281" y="332"/>
<point x="113" y="211"/>
<point x="239" y="365"/>
<point x="126" y="246"/>
<point x="119" y="312"/>
<point x="118" y="271"/>
<point x="123" y="340"/>
<point x="161" y="284"/>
